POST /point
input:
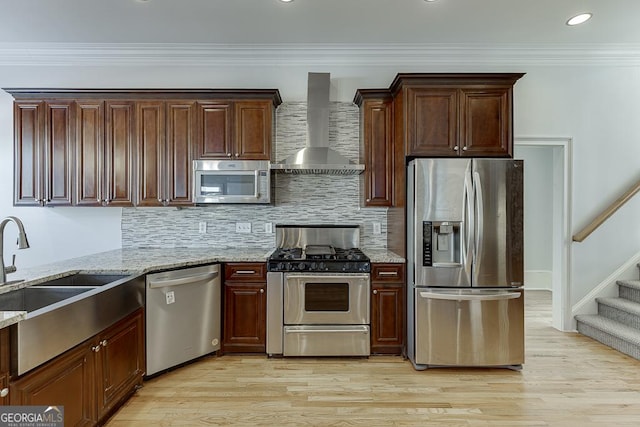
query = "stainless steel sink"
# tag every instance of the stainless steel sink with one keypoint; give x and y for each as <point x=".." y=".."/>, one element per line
<point x="64" y="312"/>
<point x="36" y="297"/>
<point x="84" y="280"/>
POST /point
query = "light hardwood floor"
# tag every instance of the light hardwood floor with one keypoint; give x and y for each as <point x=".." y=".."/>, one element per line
<point x="567" y="380"/>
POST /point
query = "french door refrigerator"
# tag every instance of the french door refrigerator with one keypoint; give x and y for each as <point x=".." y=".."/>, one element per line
<point x="465" y="263"/>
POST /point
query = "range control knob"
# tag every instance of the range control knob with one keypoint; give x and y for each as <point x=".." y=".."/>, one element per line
<point x="302" y="266"/>
<point x="280" y="266"/>
<point x="313" y="266"/>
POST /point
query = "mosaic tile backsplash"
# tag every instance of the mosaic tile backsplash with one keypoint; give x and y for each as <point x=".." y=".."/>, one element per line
<point x="297" y="199"/>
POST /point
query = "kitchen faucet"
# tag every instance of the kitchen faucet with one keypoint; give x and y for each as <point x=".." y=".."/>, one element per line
<point x="22" y="244"/>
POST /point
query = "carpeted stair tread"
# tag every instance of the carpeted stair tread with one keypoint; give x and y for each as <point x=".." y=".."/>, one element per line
<point x="611" y="327"/>
<point x="621" y="304"/>
<point x="635" y="284"/>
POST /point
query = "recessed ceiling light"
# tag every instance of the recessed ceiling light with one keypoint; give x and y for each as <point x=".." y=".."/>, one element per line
<point x="579" y="19"/>
<point x="286" y="1"/>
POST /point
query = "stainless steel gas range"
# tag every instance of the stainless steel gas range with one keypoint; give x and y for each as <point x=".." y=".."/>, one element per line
<point x="318" y="287"/>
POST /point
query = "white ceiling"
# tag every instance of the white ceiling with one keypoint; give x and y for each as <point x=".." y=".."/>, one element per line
<point x="349" y="22"/>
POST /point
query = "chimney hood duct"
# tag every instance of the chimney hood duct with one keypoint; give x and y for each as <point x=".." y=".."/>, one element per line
<point x="317" y="157"/>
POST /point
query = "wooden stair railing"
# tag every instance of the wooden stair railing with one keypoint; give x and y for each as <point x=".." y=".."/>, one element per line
<point x="600" y="219"/>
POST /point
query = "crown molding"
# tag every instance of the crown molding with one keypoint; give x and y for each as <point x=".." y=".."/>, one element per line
<point x="173" y="54"/>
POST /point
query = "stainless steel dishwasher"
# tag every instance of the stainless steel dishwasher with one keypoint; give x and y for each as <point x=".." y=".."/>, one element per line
<point x="182" y="316"/>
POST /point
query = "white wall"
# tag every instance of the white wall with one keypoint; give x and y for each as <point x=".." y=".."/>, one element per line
<point x="596" y="105"/>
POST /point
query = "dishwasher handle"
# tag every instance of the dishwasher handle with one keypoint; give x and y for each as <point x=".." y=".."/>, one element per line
<point x="470" y="297"/>
<point x="183" y="280"/>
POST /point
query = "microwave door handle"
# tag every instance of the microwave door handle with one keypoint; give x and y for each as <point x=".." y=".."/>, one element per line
<point x="257" y="184"/>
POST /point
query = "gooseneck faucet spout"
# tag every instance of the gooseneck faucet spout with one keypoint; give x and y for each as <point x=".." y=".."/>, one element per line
<point x="23" y="243"/>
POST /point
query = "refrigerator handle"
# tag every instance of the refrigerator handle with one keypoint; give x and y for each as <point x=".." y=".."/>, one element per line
<point x="469" y="227"/>
<point x="479" y="214"/>
<point x="470" y="297"/>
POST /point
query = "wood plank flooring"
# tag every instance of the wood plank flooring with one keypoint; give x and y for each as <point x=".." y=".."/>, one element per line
<point x="567" y="380"/>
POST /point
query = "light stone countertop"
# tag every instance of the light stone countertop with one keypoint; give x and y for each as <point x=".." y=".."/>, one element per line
<point x="145" y="260"/>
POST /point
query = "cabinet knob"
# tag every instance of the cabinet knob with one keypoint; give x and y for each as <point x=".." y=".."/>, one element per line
<point x="368" y="200"/>
<point x="4" y="392"/>
<point x="455" y="148"/>
<point x="104" y="343"/>
<point x="96" y="348"/>
<point x="375" y="292"/>
<point x="237" y="154"/>
<point x="228" y="154"/>
<point x="262" y="291"/>
<point x="464" y="148"/>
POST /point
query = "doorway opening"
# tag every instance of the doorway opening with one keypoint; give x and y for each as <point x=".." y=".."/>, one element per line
<point x="547" y="220"/>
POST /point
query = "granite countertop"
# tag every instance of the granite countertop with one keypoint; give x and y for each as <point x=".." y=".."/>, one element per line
<point x="145" y="260"/>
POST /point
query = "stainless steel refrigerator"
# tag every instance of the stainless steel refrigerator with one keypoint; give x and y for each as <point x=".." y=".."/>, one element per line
<point x="465" y="263"/>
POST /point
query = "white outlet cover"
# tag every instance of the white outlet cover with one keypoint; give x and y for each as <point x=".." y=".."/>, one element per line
<point x="376" y="228"/>
<point x="243" y="227"/>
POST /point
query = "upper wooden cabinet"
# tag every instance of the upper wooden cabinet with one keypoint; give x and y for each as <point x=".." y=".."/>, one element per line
<point x="43" y="153"/>
<point x="235" y="129"/>
<point x="376" y="146"/>
<point x="118" y="147"/>
<point x="105" y="147"/>
<point x="451" y="115"/>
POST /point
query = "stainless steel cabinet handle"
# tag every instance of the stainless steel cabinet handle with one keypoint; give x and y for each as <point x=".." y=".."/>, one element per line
<point x="387" y="273"/>
<point x="245" y="272"/>
<point x="4" y="392"/>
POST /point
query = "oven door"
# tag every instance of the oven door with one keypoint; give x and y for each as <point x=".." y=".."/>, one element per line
<point x="326" y="299"/>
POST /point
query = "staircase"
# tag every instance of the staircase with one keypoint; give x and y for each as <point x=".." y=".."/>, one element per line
<point x="617" y="323"/>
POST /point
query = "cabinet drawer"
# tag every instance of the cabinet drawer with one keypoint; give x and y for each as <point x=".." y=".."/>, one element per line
<point x="391" y="273"/>
<point x="246" y="272"/>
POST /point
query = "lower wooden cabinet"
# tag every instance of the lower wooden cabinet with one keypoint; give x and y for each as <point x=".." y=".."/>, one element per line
<point x="91" y="379"/>
<point x="121" y="362"/>
<point x="4" y="366"/>
<point x="245" y="308"/>
<point x="387" y="308"/>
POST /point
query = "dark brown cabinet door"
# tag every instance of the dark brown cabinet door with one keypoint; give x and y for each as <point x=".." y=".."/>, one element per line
<point x="151" y="153"/>
<point x="5" y="353"/>
<point x="252" y="130"/>
<point x="119" y="151"/>
<point x="377" y="135"/>
<point x="387" y="308"/>
<point x="245" y="308"/>
<point x="120" y="364"/>
<point x="245" y="318"/>
<point x="66" y="381"/>
<point x="432" y="121"/>
<point x="214" y="128"/>
<point x="58" y="153"/>
<point x="485" y="122"/>
<point x="90" y="149"/>
<point x="43" y="153"/>
<point x="28" y="157"/>
<point x="181" y="121"/>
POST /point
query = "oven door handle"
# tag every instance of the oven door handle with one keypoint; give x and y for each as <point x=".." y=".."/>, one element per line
<point x="312" y="329"/>
<point x="323" y="276"/>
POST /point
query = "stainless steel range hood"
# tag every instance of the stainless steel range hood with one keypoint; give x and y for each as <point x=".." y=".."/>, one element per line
<point x="317" y="157"/>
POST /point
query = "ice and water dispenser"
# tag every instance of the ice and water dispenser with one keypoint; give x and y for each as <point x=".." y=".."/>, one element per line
<point x="441" y="243"/>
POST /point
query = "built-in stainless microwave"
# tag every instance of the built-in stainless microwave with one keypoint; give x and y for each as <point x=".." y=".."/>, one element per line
<point x="231" y="181"/>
